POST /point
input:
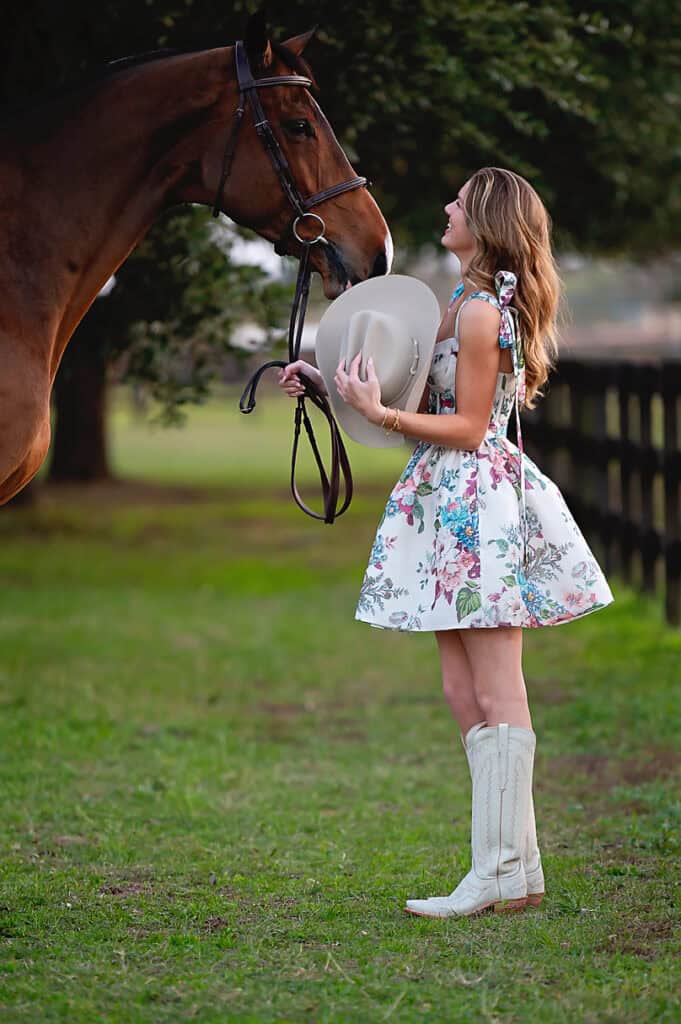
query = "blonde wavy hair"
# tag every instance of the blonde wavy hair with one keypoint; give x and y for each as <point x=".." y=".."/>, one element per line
<point x="512" y="229"/>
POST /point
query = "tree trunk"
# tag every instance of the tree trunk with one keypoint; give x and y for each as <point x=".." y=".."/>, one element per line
<point x="79" y="448"/>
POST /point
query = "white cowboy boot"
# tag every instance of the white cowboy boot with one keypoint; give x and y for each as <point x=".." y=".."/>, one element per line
<point x="532" y="862"/>
<point x="501" y="759"/>
<point x="531" y="856"/>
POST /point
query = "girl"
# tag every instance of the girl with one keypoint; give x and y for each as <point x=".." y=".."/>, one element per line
<point x="476" y="543"/>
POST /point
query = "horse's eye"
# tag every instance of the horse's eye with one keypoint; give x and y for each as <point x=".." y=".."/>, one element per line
<point x="299" y="126"/>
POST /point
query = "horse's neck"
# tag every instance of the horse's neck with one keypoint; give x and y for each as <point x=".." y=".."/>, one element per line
<point x="81" y="199"/>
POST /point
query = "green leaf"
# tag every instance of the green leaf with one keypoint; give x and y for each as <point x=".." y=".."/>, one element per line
<point x="467" y="601"/>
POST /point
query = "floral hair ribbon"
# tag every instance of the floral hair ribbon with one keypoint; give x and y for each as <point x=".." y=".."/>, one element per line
<point x="505" y="282"/>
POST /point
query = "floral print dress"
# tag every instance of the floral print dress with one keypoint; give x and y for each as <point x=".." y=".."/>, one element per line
<point x="478" y="538"/>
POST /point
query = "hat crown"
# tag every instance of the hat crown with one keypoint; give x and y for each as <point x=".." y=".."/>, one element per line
<point x="394" y="320"/>
<point x="385" y="339"/>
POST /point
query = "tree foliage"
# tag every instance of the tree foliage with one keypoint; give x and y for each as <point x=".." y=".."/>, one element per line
<point x="582" y="98"/>
<point x="167" y="324"/>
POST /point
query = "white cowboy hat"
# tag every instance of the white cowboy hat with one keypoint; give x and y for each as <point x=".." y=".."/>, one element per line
<point x="394" y="320"/>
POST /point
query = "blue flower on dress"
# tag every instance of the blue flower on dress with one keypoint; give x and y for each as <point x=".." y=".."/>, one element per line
<point x="391" y="508"/>
<point x="532" y="597"/>
<point x="382" y="546"/>
<point x="462" y="520"/>
<point x="377" y="555"/>
<point x="449" y="478"/>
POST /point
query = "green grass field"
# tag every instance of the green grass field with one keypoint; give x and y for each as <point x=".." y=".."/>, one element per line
<point x="217" y="788"/>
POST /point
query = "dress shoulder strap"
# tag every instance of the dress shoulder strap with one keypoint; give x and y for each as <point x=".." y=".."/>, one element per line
<point x="485" y="296"/>
<point x="458" y="291"/>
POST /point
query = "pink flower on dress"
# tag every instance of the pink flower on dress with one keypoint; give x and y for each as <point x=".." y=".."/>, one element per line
<point x="405" y="492"/>
<point x="512" y="607"/>
<point x="451" y="576"/>
<point x="405" y="503"/>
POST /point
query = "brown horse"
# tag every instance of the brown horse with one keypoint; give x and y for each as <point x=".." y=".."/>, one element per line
<point x="83" y="177"/>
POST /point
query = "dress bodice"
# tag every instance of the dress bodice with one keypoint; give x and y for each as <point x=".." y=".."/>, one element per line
<point x="442" y="388"/>
<point x="510" y="387"/>
<point x="442" y="374"/>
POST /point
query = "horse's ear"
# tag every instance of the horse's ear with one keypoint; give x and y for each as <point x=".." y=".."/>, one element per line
<point x="296" y="44"/>
<point x="257" y="40"/>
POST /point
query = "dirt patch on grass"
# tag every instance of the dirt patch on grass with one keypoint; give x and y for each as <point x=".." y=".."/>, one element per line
<point x="215" y="924"/>
<point x="334" y="725"/>
<point x="70" y="840"/>
<point x="547" y="690"/>
<point x="124" y="889"/>
<point x="598" y="773"/>
<point x="640" y="938"/>
<point x="285" y="709"/>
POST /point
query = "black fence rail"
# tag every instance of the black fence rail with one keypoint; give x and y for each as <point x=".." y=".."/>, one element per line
<point x="608" y="434"/>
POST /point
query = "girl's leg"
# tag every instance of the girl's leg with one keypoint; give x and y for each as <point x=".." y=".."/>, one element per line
<point x="457" y="679"/>
<point x="495" y="657"/>
<point x="489" y="686"/>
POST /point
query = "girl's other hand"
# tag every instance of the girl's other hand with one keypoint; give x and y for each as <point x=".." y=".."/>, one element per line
<point x="291" y="382"/>
<point x="362" y="395"/>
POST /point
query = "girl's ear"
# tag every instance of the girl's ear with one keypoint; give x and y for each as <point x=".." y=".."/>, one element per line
<point x="296" y="44"/>
<point x="257" y="40"/>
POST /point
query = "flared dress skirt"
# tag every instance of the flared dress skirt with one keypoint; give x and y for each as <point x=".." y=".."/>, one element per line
<point x="448" y="552"/>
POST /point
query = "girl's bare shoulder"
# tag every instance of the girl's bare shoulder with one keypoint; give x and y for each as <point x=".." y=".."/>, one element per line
<point x="479" y="316"/>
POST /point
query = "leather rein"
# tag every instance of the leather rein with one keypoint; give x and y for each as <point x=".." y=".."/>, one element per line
<point x="340" y="465"/>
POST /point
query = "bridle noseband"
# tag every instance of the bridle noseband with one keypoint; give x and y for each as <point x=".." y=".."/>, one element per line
<point x="248" y="93"/>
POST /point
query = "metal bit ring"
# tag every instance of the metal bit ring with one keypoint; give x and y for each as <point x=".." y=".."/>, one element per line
<point x="307" y="241"/>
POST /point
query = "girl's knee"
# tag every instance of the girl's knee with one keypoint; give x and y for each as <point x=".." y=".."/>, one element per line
<point x="494" y="704"/>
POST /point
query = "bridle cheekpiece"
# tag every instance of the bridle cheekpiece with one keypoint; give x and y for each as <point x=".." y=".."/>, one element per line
<point x="302" y="207"/>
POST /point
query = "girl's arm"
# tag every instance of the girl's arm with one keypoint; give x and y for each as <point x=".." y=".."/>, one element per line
<point x="477" y="366"/>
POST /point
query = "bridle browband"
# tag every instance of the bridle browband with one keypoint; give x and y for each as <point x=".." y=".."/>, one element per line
<point x="248" y="93"/>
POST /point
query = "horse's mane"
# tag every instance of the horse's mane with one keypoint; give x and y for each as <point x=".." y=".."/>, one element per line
<point x="90" y="80"/>
<point x="292" y="60"/>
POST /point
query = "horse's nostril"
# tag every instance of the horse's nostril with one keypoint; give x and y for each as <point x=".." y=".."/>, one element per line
<point x="380" y="266"/>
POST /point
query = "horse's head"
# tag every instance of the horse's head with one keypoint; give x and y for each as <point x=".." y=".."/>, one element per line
<point x="357" y="243"/>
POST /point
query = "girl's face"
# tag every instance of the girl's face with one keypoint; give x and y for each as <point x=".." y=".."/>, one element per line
<point x="457" y="238"/>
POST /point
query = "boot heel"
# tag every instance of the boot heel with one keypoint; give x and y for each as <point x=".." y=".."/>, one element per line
<point x="503" y="906"/>
<point x="534" y="899"/>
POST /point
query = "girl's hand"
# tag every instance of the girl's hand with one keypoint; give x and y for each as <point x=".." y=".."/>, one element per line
<point x="291" y="382"/>
<point x="364" y="396"/>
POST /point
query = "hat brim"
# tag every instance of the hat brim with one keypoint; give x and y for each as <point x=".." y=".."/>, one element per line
<point x="400" y="296"/>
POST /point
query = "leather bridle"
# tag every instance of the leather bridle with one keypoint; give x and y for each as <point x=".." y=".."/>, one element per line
<point x="302" y="206"/>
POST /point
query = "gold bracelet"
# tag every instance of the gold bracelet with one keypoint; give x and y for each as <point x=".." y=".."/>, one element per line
<point x="385" y="416"/>
<point x="395" y="423"/>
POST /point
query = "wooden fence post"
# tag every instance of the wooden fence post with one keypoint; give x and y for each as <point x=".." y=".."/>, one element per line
<point x="625" y="375"/>
<point x="646" y="476"/>
<point x="671" y="389"/>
